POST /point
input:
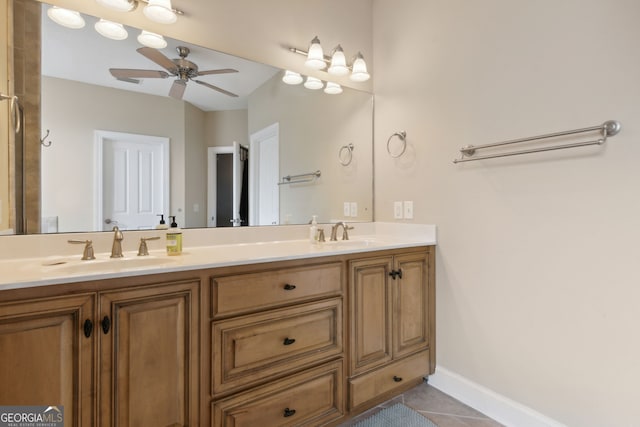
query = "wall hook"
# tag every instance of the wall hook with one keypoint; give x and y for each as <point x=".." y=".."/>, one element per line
<point x="48" y="143"/>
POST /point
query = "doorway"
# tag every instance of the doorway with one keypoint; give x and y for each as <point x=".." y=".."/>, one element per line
<point x="264" y="192"/>
<point x="228" y="186"/>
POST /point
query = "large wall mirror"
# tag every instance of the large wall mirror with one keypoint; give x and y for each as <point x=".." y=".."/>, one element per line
<point x="122" y="142"/>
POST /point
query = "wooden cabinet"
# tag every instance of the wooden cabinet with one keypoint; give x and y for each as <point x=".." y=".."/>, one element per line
<point x="126" y="357"/>
<point x="148" y="363"/>
<point x="45" y="357"/>
<point x="391" y="309"/>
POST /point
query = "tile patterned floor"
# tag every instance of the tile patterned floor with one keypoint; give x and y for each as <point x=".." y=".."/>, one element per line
<point x="441" y="409"/>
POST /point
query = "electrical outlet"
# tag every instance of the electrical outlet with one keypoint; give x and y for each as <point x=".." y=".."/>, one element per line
<point x="397" y="210"/>
<point x="346" y="209"/>
<point x="354" y="209"/>
<point x="408" y="209"/>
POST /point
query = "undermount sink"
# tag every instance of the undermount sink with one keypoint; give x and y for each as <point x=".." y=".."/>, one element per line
<point x="351" y="244"/>
<point x="105" y="265"/>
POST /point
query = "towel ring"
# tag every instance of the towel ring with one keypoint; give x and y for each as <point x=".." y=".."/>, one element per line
<point x="345" y="159"/>
<point x="403" y="137"/>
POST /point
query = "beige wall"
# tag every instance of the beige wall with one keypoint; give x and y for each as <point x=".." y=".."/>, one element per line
<point x="224" y="127"/>
<point x="195" y="168"/>
<point x="537" y="280"/>
<point x="68" y="192"/>
<point x="313" y="126"/>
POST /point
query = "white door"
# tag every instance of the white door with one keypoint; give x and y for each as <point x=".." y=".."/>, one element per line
<point x="236" y="184"/>
<point x="264" y="174"/>
<point x="133" y="180"/>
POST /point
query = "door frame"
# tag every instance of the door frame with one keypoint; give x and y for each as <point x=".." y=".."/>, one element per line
<point x="212" y="180"/>
<point x="99" y="138"/>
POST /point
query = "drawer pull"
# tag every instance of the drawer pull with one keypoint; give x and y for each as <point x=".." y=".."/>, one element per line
<point x="289" y="341"/>
<point x="395" y="273"/>
<point x="88" y="328"/>
<point x="289" y="412"/>
<point x="289" y="287"/>
<point x="397" y="379"/>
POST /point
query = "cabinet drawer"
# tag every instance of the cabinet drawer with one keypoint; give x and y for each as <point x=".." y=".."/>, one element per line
<point x="255" y="347"/>
<point x="243" y="293"/>
<point x="395" y="375"/>
<point x="313" y="397"/>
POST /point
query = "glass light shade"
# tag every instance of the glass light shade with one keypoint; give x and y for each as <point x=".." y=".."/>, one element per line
<point x="359" y="72"/>
<point x="160" y="11"/>
<point x="119" y="5"/>
<point x="315" y="56"/>
<point x="65" y="17"/>
<point x="153" y="40"/>
<point x="338" y="65"/>
<point x="332" y="88"/>
<point x="313" y="83"/>
<point x="111" y="30"/>
<point x="292" y="78"/>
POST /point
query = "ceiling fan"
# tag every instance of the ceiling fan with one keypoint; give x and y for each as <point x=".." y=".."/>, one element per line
<point x="181" y="68"/>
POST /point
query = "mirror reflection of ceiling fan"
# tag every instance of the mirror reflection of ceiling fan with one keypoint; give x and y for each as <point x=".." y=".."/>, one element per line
<point x="181" y="68"/>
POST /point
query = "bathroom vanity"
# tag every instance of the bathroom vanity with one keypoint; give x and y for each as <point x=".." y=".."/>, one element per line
<point x="290" y="334"/>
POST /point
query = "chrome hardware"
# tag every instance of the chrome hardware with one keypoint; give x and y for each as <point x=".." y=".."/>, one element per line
<point x="303" y="177"/>
<point x="87" y="253"/>
<point x="345" y="229"/>
<point x="402" y="135"/>
<point x="116" y="248"/>
<point x="143" y="250"/>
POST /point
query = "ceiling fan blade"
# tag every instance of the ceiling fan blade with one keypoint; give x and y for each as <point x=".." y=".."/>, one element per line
<point x="221" y="71"/>
<point x="156" y="56"/>
<point x="177" y="89"/>
<point x="127" y="73"/>
<point x="210" y="86"/>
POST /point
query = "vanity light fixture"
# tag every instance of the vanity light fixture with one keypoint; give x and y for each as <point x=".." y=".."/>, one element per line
<point x="292" y="78"/>
<point x="313" y="83"/>
<point x="119" y="5"/>
<point x="111" y="30"/>
<point x="149" y="39"/>
<point x="65" y="17"/>
<point x="159" y="11"/>
<point x="337" y="61"/>
<point x="332" y="88"/>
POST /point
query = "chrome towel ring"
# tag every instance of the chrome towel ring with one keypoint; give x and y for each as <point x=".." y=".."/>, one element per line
<point x="402" y="135"/>
<point x="345" y="155"/>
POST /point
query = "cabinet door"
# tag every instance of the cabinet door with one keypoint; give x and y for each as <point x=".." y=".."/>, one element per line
<point x="370" y="313"/>
<point x="410" y="304"/>
<point x="45" y="357"/>
<point x="149" y="359"/>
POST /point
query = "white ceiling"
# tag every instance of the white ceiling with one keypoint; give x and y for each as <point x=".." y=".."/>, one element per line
<point x="86" y="56"/>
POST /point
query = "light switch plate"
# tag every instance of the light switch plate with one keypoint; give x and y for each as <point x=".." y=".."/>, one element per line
<point x="408" y="209"/>
<point x="346" y="209"/>
<point x="354" y="209"/>
<point x="397" y="210"/>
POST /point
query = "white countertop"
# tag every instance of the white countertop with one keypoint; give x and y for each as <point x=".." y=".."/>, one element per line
<point x="51" y="263"/>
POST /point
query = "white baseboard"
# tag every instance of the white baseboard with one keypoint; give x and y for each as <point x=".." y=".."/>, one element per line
<point x="490" y="403"/>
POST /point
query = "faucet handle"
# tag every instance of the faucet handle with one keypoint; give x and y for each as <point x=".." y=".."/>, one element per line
<point x="320" y="235"/>
<point x="87" y="253"/>
<point x="345" y="232"/>
<point x="143" y="250"/>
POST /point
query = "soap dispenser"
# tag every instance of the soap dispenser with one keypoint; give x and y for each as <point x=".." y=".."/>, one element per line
<point x="163" y="225"/>
<point x="313" y="230"/>
<point x="174" y="238"/>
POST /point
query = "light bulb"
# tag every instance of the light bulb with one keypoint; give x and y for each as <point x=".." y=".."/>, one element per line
<point x="313" y="83"/>
<point x="338" y="65"/>
<point x="160" y="11"/>
<point x="111" y="30"/>
<point x="153" y="40"/>
<point x="292" y="78"/>
<point x="65" y="17"/>
<point x="359" y="73"/>
<point x="315" y="56"/>
<point x="119" y="5"/>
<point x="332" y="88"/>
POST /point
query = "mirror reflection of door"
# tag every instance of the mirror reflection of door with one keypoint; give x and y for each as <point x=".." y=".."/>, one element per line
<point x="228" y="185"/>
<point x="264" y="199"/>
<point x="134" y="179"/>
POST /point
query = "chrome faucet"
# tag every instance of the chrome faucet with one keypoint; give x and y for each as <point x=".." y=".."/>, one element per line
<point x="116" y="248"/>
<point x="334" y="231"/>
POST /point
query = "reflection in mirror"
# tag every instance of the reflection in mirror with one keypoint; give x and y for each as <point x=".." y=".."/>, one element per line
<point x="143" y="143"/>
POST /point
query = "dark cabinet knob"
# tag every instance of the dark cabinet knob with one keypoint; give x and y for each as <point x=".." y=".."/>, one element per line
<point x="397" y="379"/>
<point x="289" y="287"/>
<point x="289" y="341"/>
<point x="88" y="328"/>
<point x="289" y="412"/>
<point x="106" y="324"/>
<point x="396" y="274"/>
